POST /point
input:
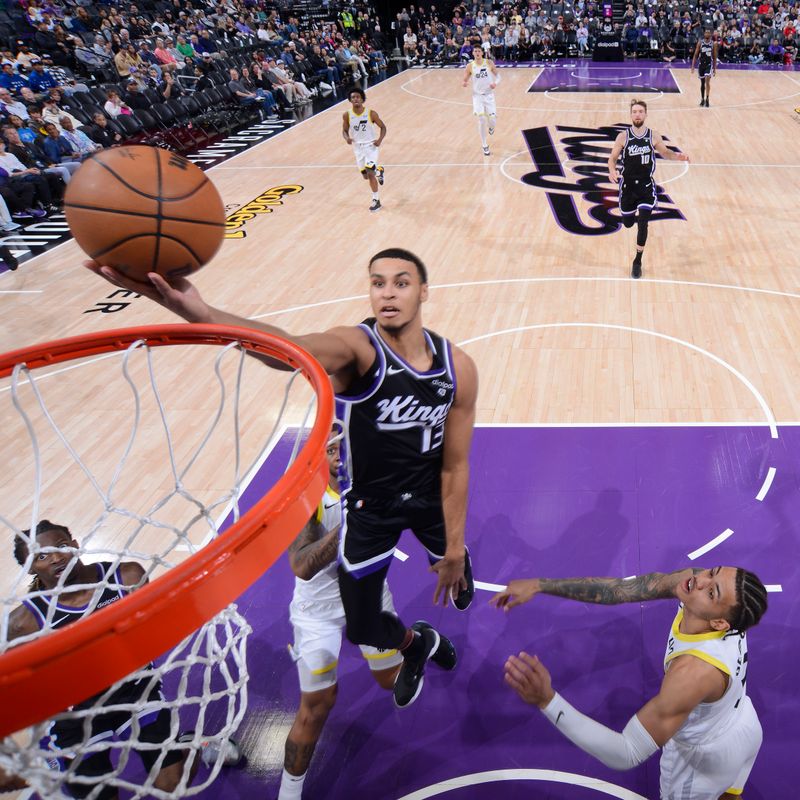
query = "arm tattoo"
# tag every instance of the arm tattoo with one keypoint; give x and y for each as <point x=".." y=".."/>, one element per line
<point x="313" y="549"/>
<point x="612" y="591"/>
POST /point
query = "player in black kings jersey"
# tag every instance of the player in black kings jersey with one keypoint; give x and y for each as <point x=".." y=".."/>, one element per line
<point x="408" y="397"/>
<point x="40" y="611"/>
<point x="706" y="50"/>
<point x="638" y="146"/>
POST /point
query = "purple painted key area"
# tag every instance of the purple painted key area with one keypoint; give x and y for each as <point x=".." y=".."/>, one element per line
<point x="585" y="76"/>
<point x="552" y="502"/>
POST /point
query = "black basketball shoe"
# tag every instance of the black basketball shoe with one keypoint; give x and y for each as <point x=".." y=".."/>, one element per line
<point x="636" y="267"/>
<point x="408" y="683"/>
<point x="464" y="599"/>
<point x="445" y="656"/>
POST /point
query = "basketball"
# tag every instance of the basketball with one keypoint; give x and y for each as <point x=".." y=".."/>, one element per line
<point x="141" y="209"/>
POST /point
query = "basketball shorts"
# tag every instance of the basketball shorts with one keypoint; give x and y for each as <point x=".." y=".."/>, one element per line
<point x="317" y="643"/>
<point x="371" y="529"/>
<point x="704" y="772"/>
<point x="484" y="104"/>
<point x="636" y="194"/>
<point x="367" y="156"/>
<point x="704" y="69"/>
<point x="69" y="736"/>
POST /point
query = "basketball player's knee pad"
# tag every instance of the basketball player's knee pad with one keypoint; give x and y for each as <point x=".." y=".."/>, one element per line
<point x="628" y="220"/>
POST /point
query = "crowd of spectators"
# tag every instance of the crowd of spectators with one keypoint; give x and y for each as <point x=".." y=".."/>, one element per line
<point x="78" y="76"/>
<point x="542" y="29"/>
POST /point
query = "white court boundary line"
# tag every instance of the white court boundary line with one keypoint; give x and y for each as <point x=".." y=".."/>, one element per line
<point x="766" y="485"/>
<point x="498" y="775"/>
<point x="501" y="281"/>
<point x="735" y="372"/>
<point x="708" y="546"/>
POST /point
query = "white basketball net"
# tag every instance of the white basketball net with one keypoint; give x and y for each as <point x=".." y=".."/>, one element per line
<point x="160" y="505"/>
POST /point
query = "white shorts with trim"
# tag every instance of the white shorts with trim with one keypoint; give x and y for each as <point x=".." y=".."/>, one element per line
<point x="704" y="772"/>
<point x="484" y="104"/>
<point x="317" y="643"/>
<point x="367" y="156"/>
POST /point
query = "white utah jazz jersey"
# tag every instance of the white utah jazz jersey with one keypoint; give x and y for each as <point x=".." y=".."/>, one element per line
<point x="321" y="592"/>
<point x="362" y="131"/>
<point x="725" y="650"/>
<point x="482" y="77"/>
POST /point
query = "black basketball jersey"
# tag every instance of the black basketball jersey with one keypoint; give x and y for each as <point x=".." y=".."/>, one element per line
<point x="706" y="51"/>
<point x="394" y="421"/>
<point x="39" y="606"/>
<point x="638" y="157"/>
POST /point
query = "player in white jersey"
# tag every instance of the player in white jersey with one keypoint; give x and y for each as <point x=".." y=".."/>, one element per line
<point x="358" y="129"/>
<point x="483" y="74"/>
<point x="702" y="716"/>
<point x="317" y="615"/>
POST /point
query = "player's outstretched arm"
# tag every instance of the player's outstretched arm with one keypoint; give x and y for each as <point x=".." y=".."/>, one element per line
<point x="603" y="591"/>
<point x="455" y="477"/>
<point x="619" y="143"/>
<point x="662" y="149"/>
<point x="684" y="687"/>
<point x="342" y="351"/>
<point x="695" y="54"/>
<point x="313" y="549"/>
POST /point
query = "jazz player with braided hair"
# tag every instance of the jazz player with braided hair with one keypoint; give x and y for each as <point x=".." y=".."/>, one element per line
<point x="701" y="717"/>
<point x="638" y="146"/>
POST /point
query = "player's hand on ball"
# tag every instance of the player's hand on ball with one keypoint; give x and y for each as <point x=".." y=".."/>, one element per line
<point x="516" y="593"/>
<point x="179" y="295"/>
<point x="450" y="578"/>
<point x="529" y="678"/>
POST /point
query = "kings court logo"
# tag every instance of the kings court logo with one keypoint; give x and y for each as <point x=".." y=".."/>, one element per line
<point x="572" y="163"/>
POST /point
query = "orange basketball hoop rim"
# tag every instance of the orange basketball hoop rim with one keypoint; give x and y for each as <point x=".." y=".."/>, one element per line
<point x="90" y="655"/>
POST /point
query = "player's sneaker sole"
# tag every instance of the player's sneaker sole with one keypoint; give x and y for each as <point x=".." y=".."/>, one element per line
<point x="445" y="656"/>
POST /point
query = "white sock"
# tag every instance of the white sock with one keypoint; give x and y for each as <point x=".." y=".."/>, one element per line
<point x="291" y="786"/>
<point x="375" y="196"/>
<point x="482" y="130"/>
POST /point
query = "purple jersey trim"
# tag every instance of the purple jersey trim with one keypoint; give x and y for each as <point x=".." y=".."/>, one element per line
<point x="376" y="383"/>
<point x="430" y="373"/>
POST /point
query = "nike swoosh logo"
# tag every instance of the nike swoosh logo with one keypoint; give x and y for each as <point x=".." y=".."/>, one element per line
<point x="57" y="621"/>
<point x="394" y="370"/>
<point x="560" y="714"/>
